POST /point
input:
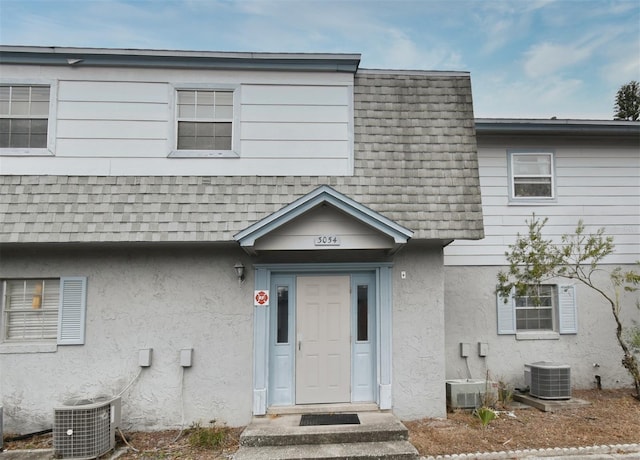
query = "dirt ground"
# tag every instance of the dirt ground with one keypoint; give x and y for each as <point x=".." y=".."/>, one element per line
<point x="613" y="417"/>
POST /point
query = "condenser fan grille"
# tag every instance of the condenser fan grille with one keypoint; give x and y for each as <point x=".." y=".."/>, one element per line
<point x="84" y="431"/>
<point x="550" y="380"/>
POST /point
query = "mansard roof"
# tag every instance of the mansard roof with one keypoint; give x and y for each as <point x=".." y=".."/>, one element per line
<point x="415" y="163"/>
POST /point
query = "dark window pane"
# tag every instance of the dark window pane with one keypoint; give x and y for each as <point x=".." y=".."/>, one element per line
<point x="223" y="129"/>
<point x="205" y="129"/>
<point x="532" y="187"/>
<point x="20" y="126"/>
<point x="19" y="141"/>
<point x="186" y="128"/>
<point x="39" y="126"/>
<point x="283" y="315"/>
<point x="222" y="143"/>
<point x="363" y="313"/>
<point x="186" y="143"/>
<point x="38" y="141"/>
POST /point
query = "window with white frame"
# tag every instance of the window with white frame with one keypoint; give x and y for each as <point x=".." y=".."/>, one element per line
<point x="24" y="116"/>
<point x="543" y="308"/>
<point x="205" y="120"/>
<point x="531" y="175"/>
<point x="534" y="310"/>
<point x="44" y="310"/>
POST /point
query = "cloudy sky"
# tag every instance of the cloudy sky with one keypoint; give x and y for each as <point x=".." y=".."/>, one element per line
<point x="527" y="58"/>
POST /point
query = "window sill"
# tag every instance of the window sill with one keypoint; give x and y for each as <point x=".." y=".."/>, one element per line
<point x="31" y="347"/>
<point x="532" y="202"/>
<point x="15" y="152"/>
<point x="203" y="154"/>
<point x="542" y="335"/>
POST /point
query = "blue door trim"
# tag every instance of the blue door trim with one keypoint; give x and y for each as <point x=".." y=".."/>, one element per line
<point x="383" y="325"/>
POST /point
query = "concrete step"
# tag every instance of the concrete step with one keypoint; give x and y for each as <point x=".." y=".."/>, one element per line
<point x="392" y="450"/>
<point x="284" y="430"/>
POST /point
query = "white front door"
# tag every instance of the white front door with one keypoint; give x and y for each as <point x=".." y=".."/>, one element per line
<point x="323" y="348"/>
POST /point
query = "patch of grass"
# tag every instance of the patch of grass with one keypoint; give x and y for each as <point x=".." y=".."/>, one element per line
<point x="211" y="437"/>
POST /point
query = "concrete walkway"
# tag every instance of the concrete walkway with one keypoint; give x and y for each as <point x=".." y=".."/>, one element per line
<point x="611" y="452"/>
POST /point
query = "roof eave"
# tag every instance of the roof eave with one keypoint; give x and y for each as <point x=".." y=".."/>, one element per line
<point x="104" y="57"/>
<point x="554" y="126"/>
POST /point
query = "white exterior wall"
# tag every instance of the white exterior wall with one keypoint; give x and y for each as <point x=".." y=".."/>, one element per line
<point x="172" y="298"/>
<point x="165" y="299"/>
<point x="596" y="182"/>
<point x="418" y="333"/>
<point x="122" y="122"/>
<point x="470" y="317"/>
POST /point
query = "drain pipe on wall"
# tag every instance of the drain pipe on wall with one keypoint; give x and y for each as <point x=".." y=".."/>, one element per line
<point x="598" y="377"/>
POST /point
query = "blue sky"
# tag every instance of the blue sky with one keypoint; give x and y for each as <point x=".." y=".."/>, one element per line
<point x="527" y="58"/>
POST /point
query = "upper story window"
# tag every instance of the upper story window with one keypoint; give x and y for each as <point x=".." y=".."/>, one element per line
<point x="24" y="117"/>
<point x="204" y="122"/>
<point x="531" y="175"/>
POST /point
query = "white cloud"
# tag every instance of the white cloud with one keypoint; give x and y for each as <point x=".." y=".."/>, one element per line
<point x="548" y="58"/>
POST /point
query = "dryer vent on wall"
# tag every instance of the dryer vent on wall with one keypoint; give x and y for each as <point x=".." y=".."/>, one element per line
<point x="549" y="380"/>
<point x="85" y="428"/>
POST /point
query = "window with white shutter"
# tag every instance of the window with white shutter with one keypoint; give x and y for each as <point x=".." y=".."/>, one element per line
<point x="545" y="308"/>
<point x="43" y="310"/>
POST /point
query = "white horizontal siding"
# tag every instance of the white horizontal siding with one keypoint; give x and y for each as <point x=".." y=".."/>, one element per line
<point x="598" y="185"/>
<point x="292" y="122"/>
<point x="112" y="91"/>
<point x="89" y="149"/>
<point x="294" y="131"/>
<point x="296" y="113"/>
<point x="300" y="234"/>
<point x="112" y="129"/>
<point x="294" y="149"/>
<point x="294" y="95"/>
<point x="90" y="110"/>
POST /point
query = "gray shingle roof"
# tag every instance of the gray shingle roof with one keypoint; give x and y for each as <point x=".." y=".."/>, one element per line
<point x="415" y="163"/>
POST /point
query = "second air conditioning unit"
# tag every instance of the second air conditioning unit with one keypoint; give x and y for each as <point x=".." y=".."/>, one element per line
<point x="549" y="380"/>
<point x="468" y="393"/>
<point x="85" y="428"/>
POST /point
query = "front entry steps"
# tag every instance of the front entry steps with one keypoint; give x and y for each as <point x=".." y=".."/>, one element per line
<point x="380" y="435"/>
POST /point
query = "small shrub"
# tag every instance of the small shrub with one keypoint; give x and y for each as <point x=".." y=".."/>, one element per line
<point x="505" y="394"/>
<point x="486" y="415"/>
<point x="210" y="437"/>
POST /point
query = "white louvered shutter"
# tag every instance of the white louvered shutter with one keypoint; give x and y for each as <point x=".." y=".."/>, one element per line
<point x="506" y="314"/>
<point x="567" y="310"/>
<point x="71" y="316"/>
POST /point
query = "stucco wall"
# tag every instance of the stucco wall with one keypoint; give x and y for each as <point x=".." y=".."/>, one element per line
<point x="470" y="317"/>
<point x="418" y="333"/>
<point x="163" y="298"/>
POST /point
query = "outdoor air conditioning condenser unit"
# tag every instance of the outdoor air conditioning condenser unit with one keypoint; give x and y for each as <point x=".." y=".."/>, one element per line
<point x="549" y="380"/>
<point x="85" y="429"/>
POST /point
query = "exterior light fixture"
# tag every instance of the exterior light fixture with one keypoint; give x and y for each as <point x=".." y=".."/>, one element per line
<point x="239" y="268"/>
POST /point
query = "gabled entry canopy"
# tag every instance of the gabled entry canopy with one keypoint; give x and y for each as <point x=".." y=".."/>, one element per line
<point x="323" y="219"/>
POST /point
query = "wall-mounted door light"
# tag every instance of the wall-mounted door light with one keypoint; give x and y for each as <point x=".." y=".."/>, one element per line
<point x="239" y="268"/>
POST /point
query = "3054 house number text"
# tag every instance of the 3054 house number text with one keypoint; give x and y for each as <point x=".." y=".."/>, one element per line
<point x="326" y="240"/>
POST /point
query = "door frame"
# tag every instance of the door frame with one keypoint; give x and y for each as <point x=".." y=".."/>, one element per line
<point x="382" y="325"/>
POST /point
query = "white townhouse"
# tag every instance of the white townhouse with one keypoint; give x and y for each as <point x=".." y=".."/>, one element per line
<point x="212" y="235"/>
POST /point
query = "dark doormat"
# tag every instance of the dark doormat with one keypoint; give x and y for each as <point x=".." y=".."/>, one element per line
<point x="329" y="419"/>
